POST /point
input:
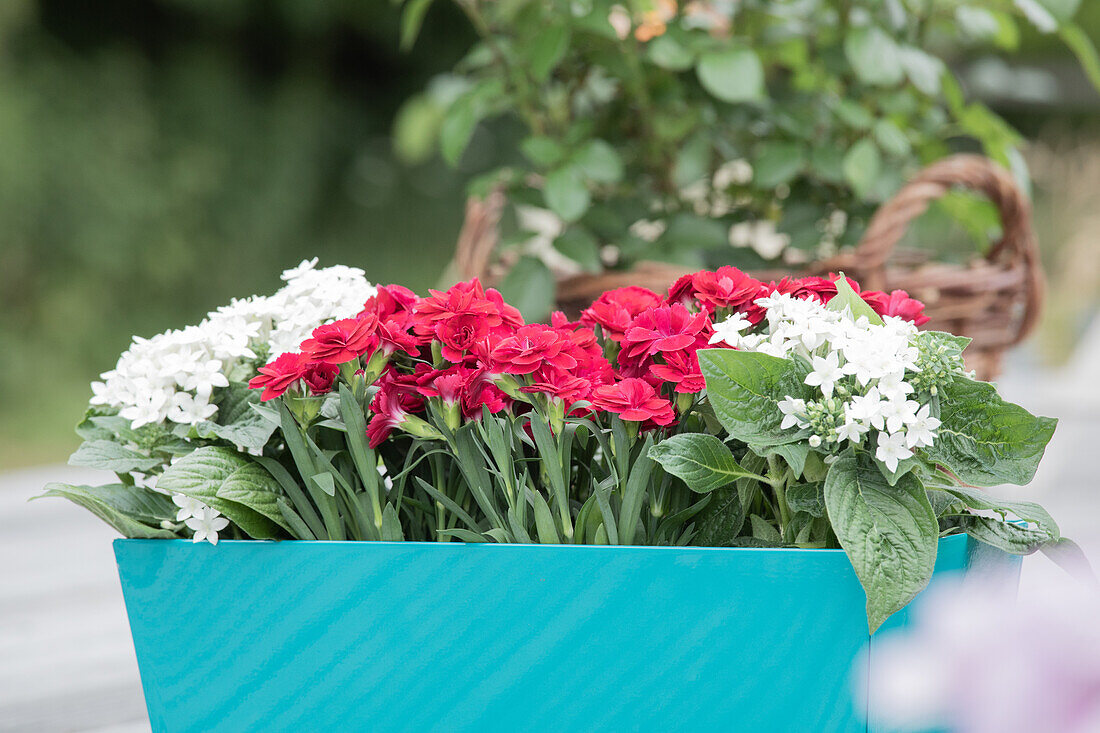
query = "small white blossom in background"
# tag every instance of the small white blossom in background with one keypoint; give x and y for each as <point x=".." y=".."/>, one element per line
<point x="172" y="376"/>
<point x="206" y="525"/>
<point x="977" y="659"/>
<point x="864" y="372"/>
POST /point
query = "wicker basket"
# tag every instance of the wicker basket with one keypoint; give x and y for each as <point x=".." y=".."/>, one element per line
<point x="994" y="299"/>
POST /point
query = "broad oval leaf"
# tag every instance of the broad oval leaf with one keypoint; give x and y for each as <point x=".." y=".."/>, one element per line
<point x="566" y="194"/>
<point x="984" y="440"/>
<point x="668" y="53"/>
<point x="111" y="456"/>
<point x="135" y="512"/>
<point x="874" y="56"/>
<point x="847" y="298"/>
<point x="889" y="532"/>
<point x="732" y="75"/>
<point x="600" y="162"/>
<point x="778" y="162"/>
<point x="1025" y="510"/>
<point x="233" y="484"/>
<point x="861" y="166"/>
<point x="809" y="498"/>
<point x="719" y="523"/>
<point x="700" y="460"/>
<point x="745" y="389"/>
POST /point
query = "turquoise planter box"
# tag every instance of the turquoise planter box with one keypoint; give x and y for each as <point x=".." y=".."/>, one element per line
<point x="346" y="636"/>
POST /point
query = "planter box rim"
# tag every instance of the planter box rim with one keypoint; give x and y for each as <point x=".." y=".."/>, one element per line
<point x="949" y="540"/>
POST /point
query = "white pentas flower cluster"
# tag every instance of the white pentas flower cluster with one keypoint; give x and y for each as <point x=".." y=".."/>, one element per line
<point x="863" y="372"/>
<point x="173" y="376"/>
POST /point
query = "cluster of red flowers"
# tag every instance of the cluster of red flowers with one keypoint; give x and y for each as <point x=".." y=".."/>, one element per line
<point x="630" y="353"/>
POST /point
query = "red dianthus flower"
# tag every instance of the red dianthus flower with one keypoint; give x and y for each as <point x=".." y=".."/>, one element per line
<point x="278" y="376"/>
<point x="661" y="329"/>
<point x="529" y="348"/>
<point x="615" y="309"/>
<point x="634" y="400"/>
<point x="341" y="341"/>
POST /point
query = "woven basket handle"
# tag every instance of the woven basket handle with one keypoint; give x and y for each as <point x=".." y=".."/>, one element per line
<point x="1017" y="247"/>
<point x="478" y="237"/>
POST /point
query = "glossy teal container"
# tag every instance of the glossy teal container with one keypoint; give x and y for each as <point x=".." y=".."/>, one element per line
<point x="375" y="636"/>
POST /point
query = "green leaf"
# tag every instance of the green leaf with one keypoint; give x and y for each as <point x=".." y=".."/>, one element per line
<point x="1069" y="556"/>
<point x="1082" y="46"/>
<point x="599" y="162"/>
<point x="720" y="522"/>
<point x="745" y="389"/>
<point x="416" y="129"/>
<point x="529" y="286"/>
<point x="542" y="151"/>
<point x="1062" y="10"/>
<point x="764" y="530"/>
<point x="984" y="440"/>
<point x="862" y="164"/>
<point x="135" y="512"/>
<point x="874" y="56"/>
<point x="668" y="53"/>
<point x="690" y="231"/>
<point x="412" y="18"/>
<point x="566" y="194"/>
<point x="458" y="125"/>
<point x="809" y="498"/>
<point x="889" y="533"/>
<point x="1026" y="510"/>
<point x="827" y="162"/>
<point x="848" y="299"/>
<point x="237" y="422"/>
<point x="892" y="139"/>
<point x="778" y="163"/>
<point x="544" y="520"/>
<point x="633" y="496"/>
<point x="853" y="114"/>
<point x="299" y="530"/>
<point x="700" y="460"/>
<point x="580" y="246"/>
<point x="233" y="484"/>
<point x="325" y="482"/>
<point x="732" y="75"/>
<point x="692" y="162"/>
<point x="111" y="456"/>
<point x="456" y="131"/>
<point x="923" y="69"/>
<point x="546" y="50"/>
<point x="107" y="427"/>
<point x="1011" y="538"/>
<point x="795" y="454"/>
<point x="391" y="525"/>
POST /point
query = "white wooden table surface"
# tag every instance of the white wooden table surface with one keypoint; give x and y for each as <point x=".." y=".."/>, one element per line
<point x="67" y="662"/>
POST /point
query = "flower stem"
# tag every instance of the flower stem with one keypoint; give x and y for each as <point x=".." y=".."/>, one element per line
<point x="778" y="480"/>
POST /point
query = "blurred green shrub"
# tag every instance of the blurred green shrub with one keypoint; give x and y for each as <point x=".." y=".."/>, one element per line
<point x="670" y="131"/>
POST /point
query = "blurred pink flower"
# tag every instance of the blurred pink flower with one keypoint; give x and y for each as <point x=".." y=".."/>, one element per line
<point x="979" y="660"/>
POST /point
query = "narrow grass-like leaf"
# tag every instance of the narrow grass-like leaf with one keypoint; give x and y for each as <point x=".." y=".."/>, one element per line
<point x="634" y="493"/>
<point x="449" y="504"/>
<point x="463" y="534"/>
<point x="391" y="525"/>
<point x="298" y="528"/>
<point x="302" y="505"/>
<point x="603" y="499"/>
<point x="544" y="520"/>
